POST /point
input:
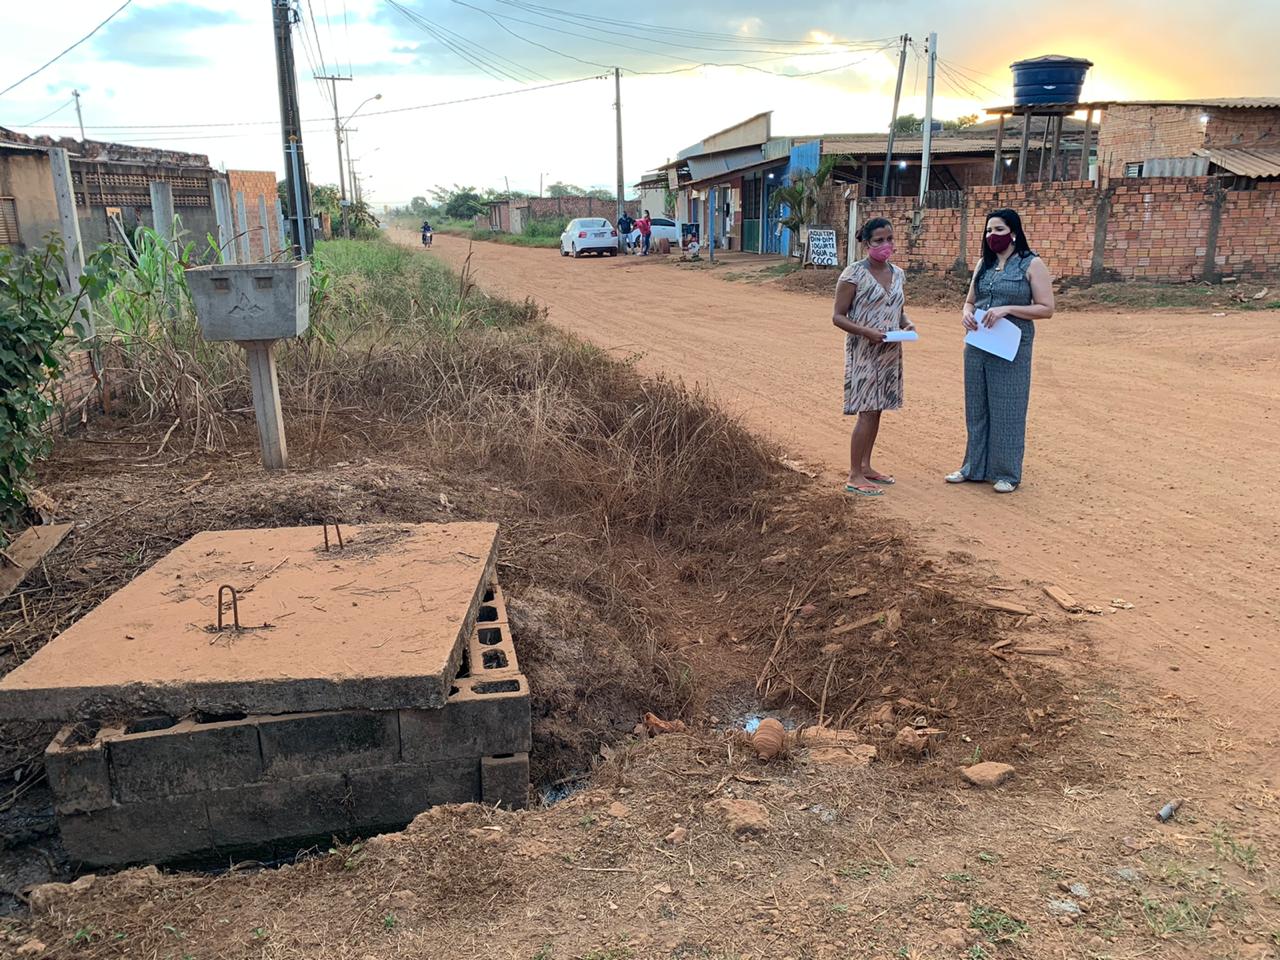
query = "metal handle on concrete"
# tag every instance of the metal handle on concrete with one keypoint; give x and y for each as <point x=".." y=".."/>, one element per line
<point x="336" y="530"/>
<point x="235" y="606"/>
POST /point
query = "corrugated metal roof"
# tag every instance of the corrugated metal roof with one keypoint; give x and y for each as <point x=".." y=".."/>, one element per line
<point x="700" y="168"/>
<point x="22" y="147"/>
<point x="1241" y="103"/>
<point x="1175" y="167"/>
<point x="915" y="146"/>
<point x="1259" y="162"/>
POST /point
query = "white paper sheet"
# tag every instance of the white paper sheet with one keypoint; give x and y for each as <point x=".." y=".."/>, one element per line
<point x="901" y="336"/>
<point x="1002" y="338"/>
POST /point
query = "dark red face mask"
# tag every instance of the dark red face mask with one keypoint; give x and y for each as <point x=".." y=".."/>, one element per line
<point x="999" y="242"/>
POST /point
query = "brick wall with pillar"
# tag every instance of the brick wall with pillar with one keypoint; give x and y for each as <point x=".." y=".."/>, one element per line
<point x="255" y="185"/>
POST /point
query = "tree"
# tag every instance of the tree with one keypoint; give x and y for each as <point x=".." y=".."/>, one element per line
<point x="559" y="189"/>
<point x="908" y="124"/>
<point x="325" y="198"/>
<point x="961" y="123"/>
<point x="796" y="204"/>
<point x="458" y="202"/>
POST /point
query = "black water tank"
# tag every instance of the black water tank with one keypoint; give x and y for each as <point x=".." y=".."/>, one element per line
<point x="1049" y="79"/>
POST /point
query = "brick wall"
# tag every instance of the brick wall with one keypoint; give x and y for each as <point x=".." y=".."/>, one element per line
<point x="1133" y="133"/>
<point x="1249" y="237"/>
<point x="255" y="184"/>
<point x="1152" y="229"/>
<point x="74" y="388"/>
<point x="566" y="208"/>
<point x="1249" y="127"/>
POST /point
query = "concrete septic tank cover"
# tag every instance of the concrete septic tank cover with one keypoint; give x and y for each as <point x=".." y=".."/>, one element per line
<point x="380" y="624"/>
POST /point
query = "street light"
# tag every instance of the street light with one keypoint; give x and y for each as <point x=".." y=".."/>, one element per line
<point x="342" y="131"/>
<point x="376" y="96"/>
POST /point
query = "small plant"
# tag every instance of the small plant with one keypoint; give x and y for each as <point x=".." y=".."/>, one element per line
<point x="977" y="952"/>
<point x="958" y="878"/>
<point x="389" y="921"/>
<point x="976" y="756"/>
<point x="259" y="933"/>
<point x="544" y="953"/>
<point x="986" y="857"/>
<point x="840" y="908"/>
<point x="1227" y="848"/>
<point x="996" y="925"/>
<point x="1182" y="916"/>
<point x="84" y="935"/>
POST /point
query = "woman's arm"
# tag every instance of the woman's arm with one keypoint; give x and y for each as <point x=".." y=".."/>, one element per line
<point x="846" y="292"/>
<point x="1042" y="304"/>
<point x="970" y="302"/>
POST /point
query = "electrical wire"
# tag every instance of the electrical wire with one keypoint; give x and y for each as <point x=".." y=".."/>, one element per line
<point x="346" y="36"/>
<point x="470" y="49"/>
<point x="971" y="74"/>
<point x="326" y="121"/>
<point x="70" y="101"/>
<point x="117" y="12"/>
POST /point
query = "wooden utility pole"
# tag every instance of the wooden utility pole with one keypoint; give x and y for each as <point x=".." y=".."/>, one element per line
<point x="295" y="167"/>
<point x="337" y="133"/>
<point x="893" y="123"/>
<point x="925" y="156"/>
<point x="617" y="106"/>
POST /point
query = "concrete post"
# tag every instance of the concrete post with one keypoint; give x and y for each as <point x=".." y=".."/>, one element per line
<point x="266" y="403"/>
<point x="222" y="214"/>
<point x="262" y="225"/>
<point x="242" y="231"/>
<point x="69" y="221"/>
<point x="1098" y="267"/>
<point x="280" y="227"/>
<point x="1209" y="272"/>
<point x="162" y="209"/>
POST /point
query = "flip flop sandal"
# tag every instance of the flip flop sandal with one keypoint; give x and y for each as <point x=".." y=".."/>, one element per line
<point x="883" y="481"/>
<point x="864" y="491"/>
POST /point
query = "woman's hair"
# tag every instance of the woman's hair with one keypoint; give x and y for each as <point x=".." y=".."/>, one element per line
<point x="1014" y="223"/>
<point x="870" y="227"/>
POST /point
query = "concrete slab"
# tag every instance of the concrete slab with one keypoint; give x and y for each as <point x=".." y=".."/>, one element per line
<point x="379" y="625"/>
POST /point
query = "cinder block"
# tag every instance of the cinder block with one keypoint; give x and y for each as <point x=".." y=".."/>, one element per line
<point x="392" y="796"/>
<point x="305" y="744"/>
<point x="262" y="812"/>
<point x="152" y="832"/>
<point x="504" y="781"/>
<point x="493" y="606"/>
<point x="76" y="765"/>
<point x="183" y="759"/>
<point x="485" y="716"/>
<point x="491" y="649"/>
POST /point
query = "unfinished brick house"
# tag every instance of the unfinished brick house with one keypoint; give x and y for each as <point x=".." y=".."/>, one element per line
<point x="1159" y="138"/>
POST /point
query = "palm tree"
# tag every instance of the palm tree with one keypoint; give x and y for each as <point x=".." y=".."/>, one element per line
<point x="800" y="199"/>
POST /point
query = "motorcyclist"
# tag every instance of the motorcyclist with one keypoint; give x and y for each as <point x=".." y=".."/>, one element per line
<point x="426" y="233"/>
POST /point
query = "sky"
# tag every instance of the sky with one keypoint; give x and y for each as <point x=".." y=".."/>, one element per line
<point x="200" y="75"/>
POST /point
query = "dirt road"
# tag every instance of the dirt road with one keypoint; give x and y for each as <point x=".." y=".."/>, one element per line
<point x="1152" y="463"/>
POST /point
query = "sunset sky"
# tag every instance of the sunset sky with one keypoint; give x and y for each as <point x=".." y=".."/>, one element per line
<point x="159" y="69"/>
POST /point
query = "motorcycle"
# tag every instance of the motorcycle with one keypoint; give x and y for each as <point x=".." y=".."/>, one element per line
<point x="426" y="238"/>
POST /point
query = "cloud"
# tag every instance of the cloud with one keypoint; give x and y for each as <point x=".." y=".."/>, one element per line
<point x="168" y="36"/>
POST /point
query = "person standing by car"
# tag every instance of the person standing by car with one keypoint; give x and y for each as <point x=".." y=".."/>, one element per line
<point x="625" y="226"/>
<point x="645" y="226"/>
<point x="869" y="304"/>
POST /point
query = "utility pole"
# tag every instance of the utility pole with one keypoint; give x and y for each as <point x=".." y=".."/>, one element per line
<point x="295" y="168"/>
<point x="617" y="89"/>
<point x="76" y="94"/>
<point x="337" y="133"/>
<point x="928" y="118"/>
<point x="897" y="95"/>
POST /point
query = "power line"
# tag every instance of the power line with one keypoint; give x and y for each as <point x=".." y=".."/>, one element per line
<point x="475" y="53"/>
<point x="323" y="120"/>
<point x="346" y="36"/>
<point x="69" y="49"/>
<point x="70" y="101"/>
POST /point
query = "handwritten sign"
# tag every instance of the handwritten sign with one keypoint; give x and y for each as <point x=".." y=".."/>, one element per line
<point x="822" y="248"/>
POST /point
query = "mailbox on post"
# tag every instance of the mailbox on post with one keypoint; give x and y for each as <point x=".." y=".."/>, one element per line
<point x="256" y="304"/>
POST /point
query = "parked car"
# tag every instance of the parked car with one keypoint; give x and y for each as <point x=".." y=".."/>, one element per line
<point x="589" y="235"/>
<point x="660" y="228"/>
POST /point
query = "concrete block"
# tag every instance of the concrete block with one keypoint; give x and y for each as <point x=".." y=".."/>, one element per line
<point x="76" y="765"/>
<point x="185" y="758"/>
<point x="302" y="745"/>
<point x="504" y="781"/>
<point x="493" y="605"/>
<point x="485" y="716"/>
<point x="153" y="832"/>
<point x="490" y="649"/>
<point x="260" y="813"/>
<point x="251" y="301"/>
<point x="390" y="797"/>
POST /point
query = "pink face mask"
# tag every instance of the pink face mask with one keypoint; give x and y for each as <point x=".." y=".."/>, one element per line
<point x="881" y="252"/>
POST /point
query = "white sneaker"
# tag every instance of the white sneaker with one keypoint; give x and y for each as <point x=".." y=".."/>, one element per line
<point x="1004" y="486"/>
<point x="957" y="477"/>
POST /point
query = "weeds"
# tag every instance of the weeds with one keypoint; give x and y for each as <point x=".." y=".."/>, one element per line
<point x="1227" y="848"/>
<point x="1183" y="916"/>
<point x="996" y="925"/>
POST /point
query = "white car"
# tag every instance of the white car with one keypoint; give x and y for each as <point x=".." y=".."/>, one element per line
<point x="659" y="228"/>
<point x="589" y="235"/>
